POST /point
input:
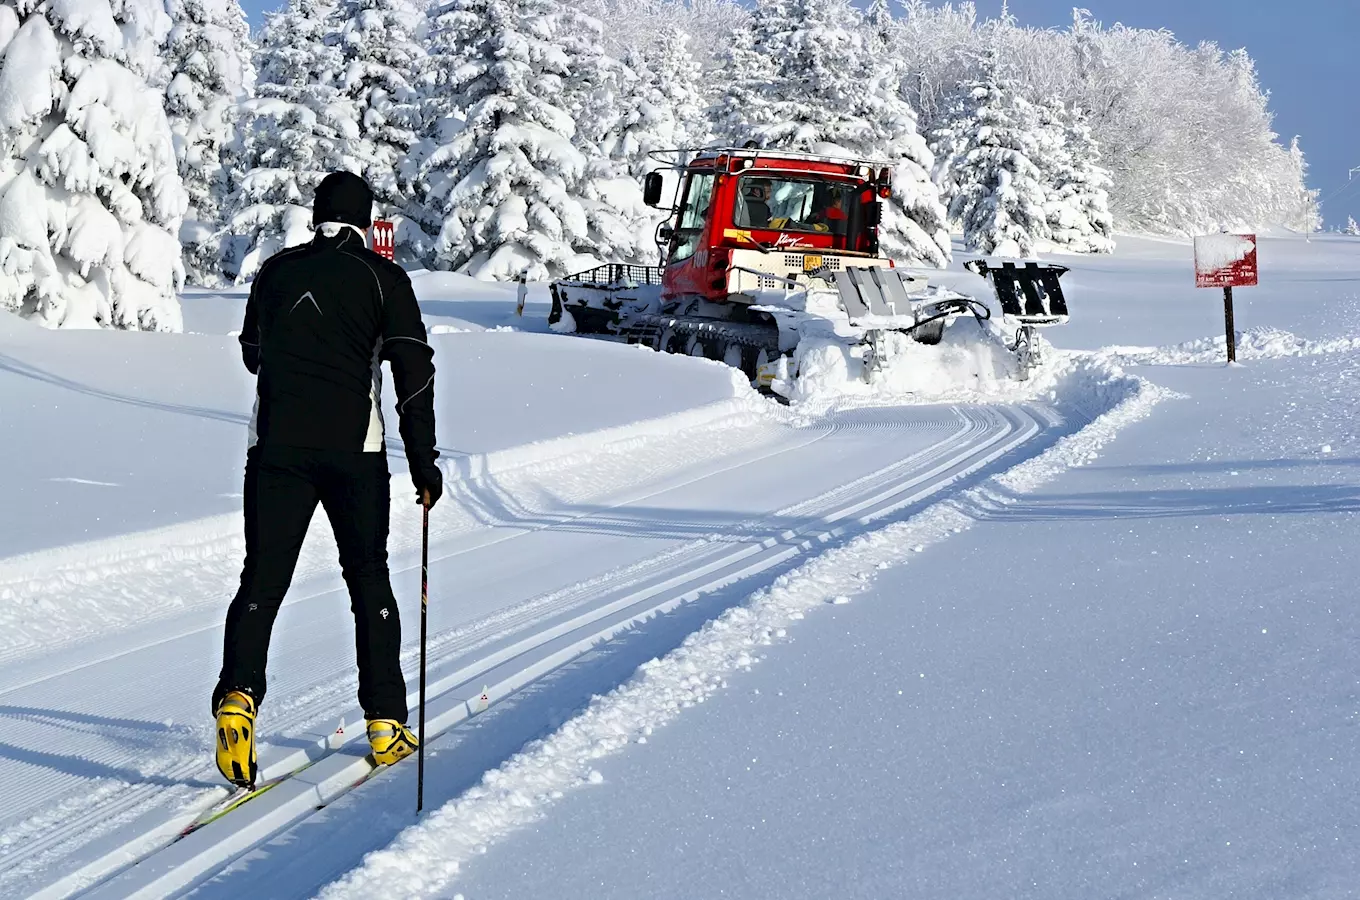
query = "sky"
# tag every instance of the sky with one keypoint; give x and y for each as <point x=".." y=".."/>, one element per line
<point x="1302" y="52"/>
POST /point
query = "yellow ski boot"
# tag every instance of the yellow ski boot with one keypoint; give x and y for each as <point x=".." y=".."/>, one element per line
<point x="236" y="739"/>
<point x="391" y="741"/>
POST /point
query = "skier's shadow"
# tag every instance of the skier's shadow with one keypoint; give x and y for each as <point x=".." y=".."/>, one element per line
<point x="139" y="733"/>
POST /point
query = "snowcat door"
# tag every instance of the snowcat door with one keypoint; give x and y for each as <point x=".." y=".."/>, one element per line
<point x="687" y="252"/>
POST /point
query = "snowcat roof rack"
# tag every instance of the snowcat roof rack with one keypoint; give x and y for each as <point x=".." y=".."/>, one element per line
<point x="673" y="157"/>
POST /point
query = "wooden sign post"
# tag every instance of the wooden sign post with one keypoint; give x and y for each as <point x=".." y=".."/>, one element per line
<point x="1226" y="261"/>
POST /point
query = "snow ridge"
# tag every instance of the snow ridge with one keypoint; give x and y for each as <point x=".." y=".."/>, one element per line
<point x="427" y="857"/>
<point x="105" y="585"/>
<point x="1254" y="343"/>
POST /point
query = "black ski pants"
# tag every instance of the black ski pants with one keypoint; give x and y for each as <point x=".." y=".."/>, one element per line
<point x="282" y="488"/>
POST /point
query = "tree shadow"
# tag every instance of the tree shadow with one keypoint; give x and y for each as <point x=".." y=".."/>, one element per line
<point x="1172" y="504"/>
<point x="21" y="368"/>
<point x="1220" y="467"/>
<point x="61" y="718"/>
<point x="93" y="769"/>
<point x="132" y="733"/>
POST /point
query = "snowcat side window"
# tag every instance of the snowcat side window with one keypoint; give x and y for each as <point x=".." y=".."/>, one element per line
<point x="693" y="212"/>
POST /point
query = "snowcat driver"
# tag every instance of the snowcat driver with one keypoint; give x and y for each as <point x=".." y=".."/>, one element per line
<point x="320" y="320"/>
<point x="755" y="203"/>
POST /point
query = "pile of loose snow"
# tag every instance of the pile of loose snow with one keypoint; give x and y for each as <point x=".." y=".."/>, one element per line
<point x="971" y="362"/>
<point x="1254" y="343"/>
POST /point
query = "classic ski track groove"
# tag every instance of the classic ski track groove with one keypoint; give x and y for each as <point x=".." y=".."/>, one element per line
<point x="469" y="540"/>
<point x="165" y="554"/>
<point x="985" y="435"/>
<point x="149" y="796"/>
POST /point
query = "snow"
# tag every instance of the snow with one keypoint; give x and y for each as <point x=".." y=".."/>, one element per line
<point x="1216" y="252"/>
<point x="1165" y="710"/>
<point x="946" y="635"/>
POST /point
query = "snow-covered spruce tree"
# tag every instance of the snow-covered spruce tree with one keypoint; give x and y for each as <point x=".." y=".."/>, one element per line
<point x="1352" y="227"/>
<point x="509" y="185"/>
<point x="1000" y="198"/>
<point x="1308" y="217"/>
<point x="297" y="129"/>
<point x="380" y="63"/>
<point x="651" y="102"/>
<point x="881" y="26"/>
<point x="746" y="66"/>
<point x="814" y="91"/>
<point x="949" y="143"/>
<point x="603" y="95"/>
<point x="828" y="91"/>
<point x="90" y="197"/>
<point x="209" y="56"/>
<point x="1078" y="202"/>
<point x="644" y="120"/>
<point x="679" y="82"/>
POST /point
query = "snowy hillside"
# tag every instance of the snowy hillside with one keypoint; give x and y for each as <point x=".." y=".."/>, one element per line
<point x="1083" y="636"/>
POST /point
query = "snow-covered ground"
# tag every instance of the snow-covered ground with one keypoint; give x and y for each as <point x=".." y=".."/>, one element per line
<point x="1085" y="637"/>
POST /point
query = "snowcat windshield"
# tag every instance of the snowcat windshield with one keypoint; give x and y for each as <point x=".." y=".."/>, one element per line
<point x="807" y="206"/>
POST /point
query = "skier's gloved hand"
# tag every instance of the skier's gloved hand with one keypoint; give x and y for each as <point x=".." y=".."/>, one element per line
<point x="428" y="480"/>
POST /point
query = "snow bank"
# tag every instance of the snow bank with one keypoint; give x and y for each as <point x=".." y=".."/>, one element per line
<point x="1254" y="343"/>
<point x="427" y="857"/>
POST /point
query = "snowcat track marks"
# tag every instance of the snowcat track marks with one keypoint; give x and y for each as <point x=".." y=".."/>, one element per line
<point x="984" y="436"/>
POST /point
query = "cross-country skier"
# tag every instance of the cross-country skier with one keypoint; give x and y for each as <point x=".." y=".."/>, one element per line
<point x="320" y="320"/>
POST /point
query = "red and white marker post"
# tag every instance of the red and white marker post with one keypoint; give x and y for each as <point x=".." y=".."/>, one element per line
<point x="383" y="238"/>
<point x="1226" y="261"/>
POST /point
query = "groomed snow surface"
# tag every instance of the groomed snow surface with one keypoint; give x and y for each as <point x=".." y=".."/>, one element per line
<point x="1084" y="636"/>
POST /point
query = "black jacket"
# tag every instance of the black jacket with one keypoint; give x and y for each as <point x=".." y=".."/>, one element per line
<point x="320" y="320"/>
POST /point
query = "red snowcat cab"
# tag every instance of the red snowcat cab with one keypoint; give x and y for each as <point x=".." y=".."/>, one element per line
<point x="749" y="230"/>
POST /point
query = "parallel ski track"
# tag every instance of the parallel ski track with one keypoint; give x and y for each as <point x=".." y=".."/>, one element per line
<point x="589" y="611"/>
<point x="528" y="641"/>
<point x="198" y="562"/>
<point x="109" y="807"/>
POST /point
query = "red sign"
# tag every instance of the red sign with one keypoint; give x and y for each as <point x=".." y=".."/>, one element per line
<point x="1225" y="260"/>
<point x="384" y="237"/>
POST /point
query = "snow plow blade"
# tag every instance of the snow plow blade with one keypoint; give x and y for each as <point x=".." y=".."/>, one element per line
<point x="1030" y="298"/>
<point x="592" y="302"/>
<point x="1029" y="292"/>
<point x="879" y="299"/>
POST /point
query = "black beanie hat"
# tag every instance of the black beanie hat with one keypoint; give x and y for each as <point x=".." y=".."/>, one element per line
<point x="343" y="197"/>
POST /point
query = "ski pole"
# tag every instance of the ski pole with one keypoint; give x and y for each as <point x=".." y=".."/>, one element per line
<point x="424" y="610"/>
